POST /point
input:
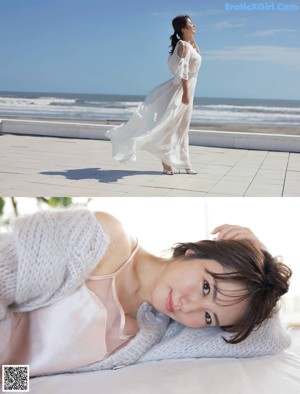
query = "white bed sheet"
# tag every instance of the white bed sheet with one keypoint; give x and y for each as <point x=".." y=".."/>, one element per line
<point x="263" y="375"/>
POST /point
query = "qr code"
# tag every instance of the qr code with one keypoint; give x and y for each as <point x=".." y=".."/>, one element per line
<point x="15" y="378"/>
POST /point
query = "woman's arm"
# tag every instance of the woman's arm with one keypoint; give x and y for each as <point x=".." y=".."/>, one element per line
<point x="229" y="231"/>
<point x="184" y="53"/>
<point x="186" y="93"/>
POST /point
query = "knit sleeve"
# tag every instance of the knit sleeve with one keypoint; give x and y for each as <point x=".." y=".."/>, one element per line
<point x="56" y="251"/>
<point x="183" y="342"/>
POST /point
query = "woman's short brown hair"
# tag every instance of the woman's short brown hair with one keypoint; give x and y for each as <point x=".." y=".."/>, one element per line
<point x="265" y="278"/>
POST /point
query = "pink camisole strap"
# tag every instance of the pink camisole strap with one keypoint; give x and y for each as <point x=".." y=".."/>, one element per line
<point x="104" y="289"/>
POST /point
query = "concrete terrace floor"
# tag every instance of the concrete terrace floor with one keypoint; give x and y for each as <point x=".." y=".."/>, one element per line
<point x="44" y="166"/>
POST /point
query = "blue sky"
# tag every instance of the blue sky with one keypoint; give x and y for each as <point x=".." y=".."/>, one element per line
<point x="121" y="46"/>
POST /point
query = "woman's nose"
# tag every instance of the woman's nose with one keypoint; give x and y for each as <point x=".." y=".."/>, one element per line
<point x="190" y="303"/>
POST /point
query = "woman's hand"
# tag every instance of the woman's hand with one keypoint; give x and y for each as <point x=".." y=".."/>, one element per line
<point x="185" y="95"/>
<point x="230" y="231"/>
<point x="185" y="99"/>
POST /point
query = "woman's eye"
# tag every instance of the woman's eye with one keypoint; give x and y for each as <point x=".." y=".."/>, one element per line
<point x="208" y="318"/>
<point x="206" y="287"/>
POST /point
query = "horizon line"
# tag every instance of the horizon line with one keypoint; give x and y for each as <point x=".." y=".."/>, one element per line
<point x="141" y="95"/>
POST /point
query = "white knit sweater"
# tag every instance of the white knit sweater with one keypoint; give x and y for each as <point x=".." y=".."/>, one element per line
<point x="46" y="258"/>
<point x="160" y="339"/>
<point x="50" y="254"/>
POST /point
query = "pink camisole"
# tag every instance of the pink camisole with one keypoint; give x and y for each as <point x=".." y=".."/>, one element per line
<point x="79" y="330"/>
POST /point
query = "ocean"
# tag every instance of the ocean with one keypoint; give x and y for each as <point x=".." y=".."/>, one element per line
<point x="102" y="107"/>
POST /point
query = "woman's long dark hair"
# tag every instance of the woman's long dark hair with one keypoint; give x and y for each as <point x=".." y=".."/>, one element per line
<point x="178" y="23"/>
<point x="264" y="278"/>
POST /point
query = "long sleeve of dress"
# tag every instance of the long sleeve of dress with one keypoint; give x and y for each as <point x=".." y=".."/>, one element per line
<point x="179" y="61"/>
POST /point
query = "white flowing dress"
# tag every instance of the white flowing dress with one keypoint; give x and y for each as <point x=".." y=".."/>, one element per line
<point x="161" y="123"/>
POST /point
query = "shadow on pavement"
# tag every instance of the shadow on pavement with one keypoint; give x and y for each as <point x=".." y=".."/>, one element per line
<point x="104" y="176"/>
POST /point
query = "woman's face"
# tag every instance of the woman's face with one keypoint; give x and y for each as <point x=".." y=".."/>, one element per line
<point x="187" y="293"/>
<point x="190" y="28"/>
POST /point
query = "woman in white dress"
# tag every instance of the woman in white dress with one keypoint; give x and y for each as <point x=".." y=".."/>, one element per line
<point x="161" y="123"/>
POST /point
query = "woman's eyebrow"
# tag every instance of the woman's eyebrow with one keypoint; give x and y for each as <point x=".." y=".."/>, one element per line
<point x="217" y="320"/>
<point x="215" y="292"/>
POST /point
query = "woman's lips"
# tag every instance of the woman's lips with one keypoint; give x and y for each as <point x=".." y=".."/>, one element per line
<point x="169" y="302"/>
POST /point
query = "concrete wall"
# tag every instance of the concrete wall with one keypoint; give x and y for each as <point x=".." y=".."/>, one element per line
<point x="223" y="139"/>
<point x="54" y="128"/>
<point x="256" y="141"/>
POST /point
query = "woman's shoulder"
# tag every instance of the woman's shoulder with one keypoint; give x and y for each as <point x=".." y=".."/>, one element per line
<point x="110" y="223"/>
<point x="120" y="246"/>
<point x="182" y="48"/>
<point x="183" y="44"/>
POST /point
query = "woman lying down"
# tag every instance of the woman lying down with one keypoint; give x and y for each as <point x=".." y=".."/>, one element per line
<point x="78" y="293"/>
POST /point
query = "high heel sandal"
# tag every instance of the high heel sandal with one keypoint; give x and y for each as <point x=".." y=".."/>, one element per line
<point x="190" y="171"/>
<point x="167" y="170"/>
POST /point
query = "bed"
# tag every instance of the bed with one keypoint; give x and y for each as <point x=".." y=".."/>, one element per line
<point x="267" y="374"/>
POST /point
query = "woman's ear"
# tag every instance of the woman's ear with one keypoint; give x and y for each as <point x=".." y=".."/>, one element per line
<point x="188" y="252"/>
